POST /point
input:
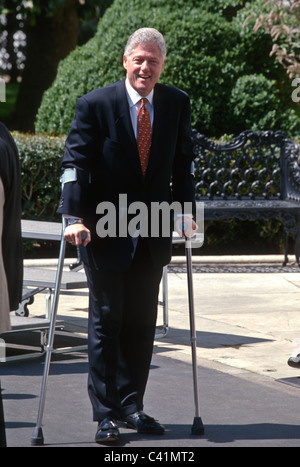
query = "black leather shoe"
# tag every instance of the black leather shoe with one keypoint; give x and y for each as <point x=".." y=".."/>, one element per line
<point x="107" y="432"/>
<point x="144" y="424"/>
<point x="294" y="362"/>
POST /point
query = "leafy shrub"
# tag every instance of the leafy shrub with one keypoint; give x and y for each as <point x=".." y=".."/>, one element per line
<point x="209" y="52"/>
<point x="234" y="236"/>
<point x="40" y="157"/>
<point x="255" y="104"/>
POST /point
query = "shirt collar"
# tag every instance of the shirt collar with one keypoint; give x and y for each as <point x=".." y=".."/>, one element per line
<point x="134" y="97"/>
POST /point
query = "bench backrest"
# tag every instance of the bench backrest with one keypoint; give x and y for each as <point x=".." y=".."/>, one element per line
<point x="254" y="165"/>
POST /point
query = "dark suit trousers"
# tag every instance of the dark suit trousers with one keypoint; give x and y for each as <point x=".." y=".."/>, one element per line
<point x="122" y="320"/>
<point x="2" y="424"/>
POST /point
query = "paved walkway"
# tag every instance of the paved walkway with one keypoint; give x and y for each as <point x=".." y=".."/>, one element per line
<point x="248" y="325"/>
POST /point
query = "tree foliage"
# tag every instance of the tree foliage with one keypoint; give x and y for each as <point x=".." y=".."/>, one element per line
<point x="51" y="30"/>
<point x="30" y="10"/>
<point x="210" y="56"/>
<point x="281" y="18"/>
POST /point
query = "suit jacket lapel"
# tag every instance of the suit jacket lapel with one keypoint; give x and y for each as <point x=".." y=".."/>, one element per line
<point x="125" y="130"/>
<point x="160" y="118"/>
<point x="126" y="133"/>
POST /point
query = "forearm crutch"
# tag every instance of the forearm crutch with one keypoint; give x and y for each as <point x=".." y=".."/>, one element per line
<point x="37" y="438"/>
<point x="197" y="428"/>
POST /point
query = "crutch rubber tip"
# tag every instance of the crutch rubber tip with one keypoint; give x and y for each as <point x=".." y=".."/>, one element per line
<point x="37" y="438"/>
<point x="197" y="428"/>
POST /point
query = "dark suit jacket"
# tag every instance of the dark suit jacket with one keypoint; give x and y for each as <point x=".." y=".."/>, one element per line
<point x="102" y="147"/>
<point x="10" y="173"/>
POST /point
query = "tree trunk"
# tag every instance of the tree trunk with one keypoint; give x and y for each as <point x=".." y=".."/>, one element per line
<point x="48" y="41"/>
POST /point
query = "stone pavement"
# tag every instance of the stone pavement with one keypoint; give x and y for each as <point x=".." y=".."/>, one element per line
<point x="248" y="325"/>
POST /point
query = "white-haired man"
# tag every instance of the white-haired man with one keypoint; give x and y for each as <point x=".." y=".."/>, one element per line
<point x="130" y="138"/>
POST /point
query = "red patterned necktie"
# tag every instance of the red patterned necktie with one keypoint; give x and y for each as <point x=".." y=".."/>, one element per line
<point x="144" y="135"/>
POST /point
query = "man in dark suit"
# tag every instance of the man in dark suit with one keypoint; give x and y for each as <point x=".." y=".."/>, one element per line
<point x="107" y="159"/>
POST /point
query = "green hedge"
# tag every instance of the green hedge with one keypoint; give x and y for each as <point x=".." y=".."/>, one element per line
<point x="210" y="55"/>
<point x="40" y="157"/>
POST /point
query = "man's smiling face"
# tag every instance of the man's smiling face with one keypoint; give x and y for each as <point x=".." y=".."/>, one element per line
<point x="144" y="67"/>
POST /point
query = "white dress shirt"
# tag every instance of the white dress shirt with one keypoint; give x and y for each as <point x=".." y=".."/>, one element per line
<point x="134" y="105"/>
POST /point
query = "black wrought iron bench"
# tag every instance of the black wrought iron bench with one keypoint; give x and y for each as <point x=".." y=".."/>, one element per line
<point x="254" y="176"/>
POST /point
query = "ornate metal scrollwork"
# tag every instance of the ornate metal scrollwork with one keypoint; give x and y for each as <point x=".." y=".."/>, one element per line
<point x="252" y="165"/>
<point x="255" y="175"/>
<point x="291" y="158"/>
